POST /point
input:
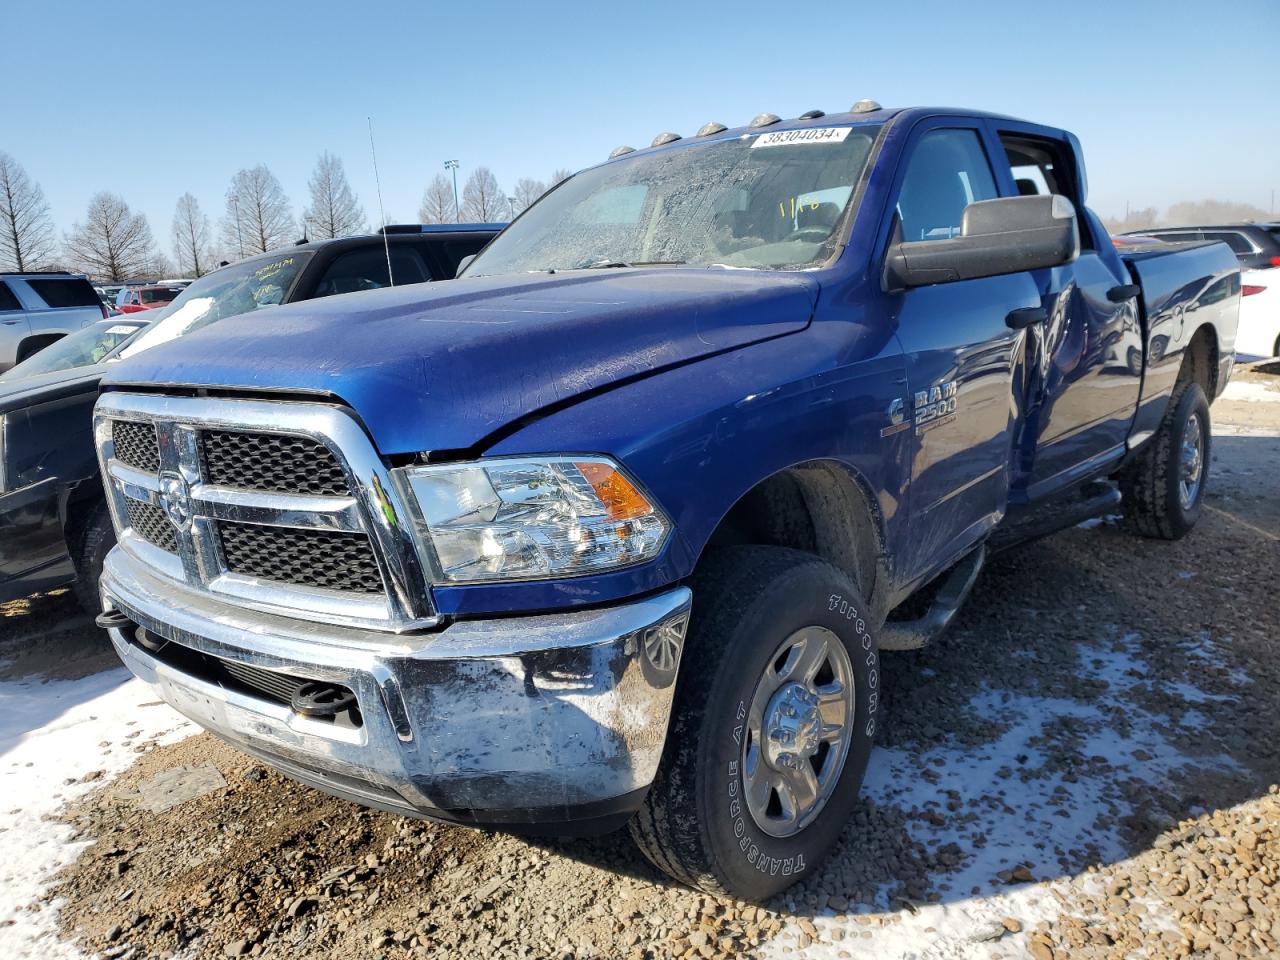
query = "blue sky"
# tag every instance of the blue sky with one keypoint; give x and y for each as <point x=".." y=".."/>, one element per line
<point x="1173" y="100"/>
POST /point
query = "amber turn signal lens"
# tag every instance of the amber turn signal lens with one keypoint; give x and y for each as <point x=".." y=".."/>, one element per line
<point x="615" y="491"/>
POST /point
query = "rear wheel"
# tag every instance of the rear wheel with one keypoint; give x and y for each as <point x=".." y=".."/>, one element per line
<point x="1164" y="488"/>
<point x="773" y="725"/>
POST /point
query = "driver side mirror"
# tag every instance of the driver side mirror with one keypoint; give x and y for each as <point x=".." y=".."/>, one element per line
<point x="1006" y="235"/>
<point x="463" y="264"/>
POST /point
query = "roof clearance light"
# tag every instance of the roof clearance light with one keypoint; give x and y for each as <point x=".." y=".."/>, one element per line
<point x="865" y="106"/>
<point x="812" y="114"/>
<point x="764" y="119"/>
<point x="710" y="127"/>
<point x="662" y="138"/>
<point x="621" y="151"/>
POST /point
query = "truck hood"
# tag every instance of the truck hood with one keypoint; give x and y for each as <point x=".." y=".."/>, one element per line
<point x="442" y="366"/>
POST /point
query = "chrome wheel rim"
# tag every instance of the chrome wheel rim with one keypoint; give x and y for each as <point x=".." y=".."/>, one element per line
<point x="1191" y="469"/>
<point x="798" y="731"/>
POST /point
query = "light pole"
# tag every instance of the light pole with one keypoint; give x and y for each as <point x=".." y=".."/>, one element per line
<point x="235" y="202"/>
<point x="453" y="165"/>
<point x="511" y="207"/>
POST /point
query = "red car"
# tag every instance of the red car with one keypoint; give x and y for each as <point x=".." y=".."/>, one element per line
<point x="137" y="299"/>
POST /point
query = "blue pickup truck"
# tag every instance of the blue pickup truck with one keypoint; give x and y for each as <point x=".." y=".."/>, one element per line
<point x="615" y="528"/>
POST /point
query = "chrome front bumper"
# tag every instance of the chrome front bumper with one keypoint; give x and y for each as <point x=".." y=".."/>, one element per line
<point x="554" y="721"/>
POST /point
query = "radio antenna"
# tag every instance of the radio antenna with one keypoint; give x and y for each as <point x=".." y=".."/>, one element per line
<point x="386" y="244"/>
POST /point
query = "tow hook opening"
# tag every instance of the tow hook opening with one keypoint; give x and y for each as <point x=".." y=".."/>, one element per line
<point x="318" y="699"/>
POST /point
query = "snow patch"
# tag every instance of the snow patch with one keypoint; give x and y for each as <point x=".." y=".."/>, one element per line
<point x="1017" y="807"/>
<point x="50" y="732"/>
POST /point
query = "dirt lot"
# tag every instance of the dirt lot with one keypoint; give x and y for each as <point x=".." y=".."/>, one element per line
<point x="1081" y="767"/>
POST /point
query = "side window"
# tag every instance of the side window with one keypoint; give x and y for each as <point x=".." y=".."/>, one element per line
<point x="1238" y="242"/>
<point x="7" y="299"/>
<point x="948" y="170"/>
<point x="367" y="270"/>
<point x="74" y="292"/>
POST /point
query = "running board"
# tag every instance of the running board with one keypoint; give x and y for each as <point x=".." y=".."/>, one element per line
<point x="914" y="634"/>
<point x="1095" y="499"/>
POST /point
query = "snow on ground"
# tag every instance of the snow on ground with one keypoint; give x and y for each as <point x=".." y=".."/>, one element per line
<point x="52" y="732"/>
<point x="1250" y="391"/>
<point x="1014" y="780"/>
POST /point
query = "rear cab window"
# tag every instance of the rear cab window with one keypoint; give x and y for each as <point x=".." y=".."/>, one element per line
<point x="366" y="269"/>
<point x="1043" y="166"/>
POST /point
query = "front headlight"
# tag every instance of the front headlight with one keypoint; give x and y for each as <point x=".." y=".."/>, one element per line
<point x="529" y="519"/>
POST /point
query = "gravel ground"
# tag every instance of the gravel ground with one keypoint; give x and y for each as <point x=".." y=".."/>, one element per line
<point x="1082" y="767"/>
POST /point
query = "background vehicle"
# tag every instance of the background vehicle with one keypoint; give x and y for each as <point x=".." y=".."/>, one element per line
<point x="137" y="299"/>
<point x="1256" y="245"/>
<point x="54" y="525"/>
<point x="38" y="308"/>
<point x="613" y="529"/>
<point x="85" y="347"/>
<point x="1259" y="313"/>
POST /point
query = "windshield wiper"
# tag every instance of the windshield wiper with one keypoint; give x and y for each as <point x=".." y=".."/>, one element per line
<point x="612" y="264"/>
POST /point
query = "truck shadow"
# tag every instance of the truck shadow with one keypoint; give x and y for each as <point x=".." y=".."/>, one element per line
<point x="52" y="658"/>
<point x="1097" y="689"/>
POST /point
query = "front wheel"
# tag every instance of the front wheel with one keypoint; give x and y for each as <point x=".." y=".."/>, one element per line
<point x="1164" y="488"/>
<point x="94" y="541"/>
<point x="773" y="726"/>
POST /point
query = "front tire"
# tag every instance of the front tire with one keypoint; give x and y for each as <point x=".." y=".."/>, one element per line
<point x="773" y="726"/>
<point x="94" y="542"/>
<point x="1164" y="488"/>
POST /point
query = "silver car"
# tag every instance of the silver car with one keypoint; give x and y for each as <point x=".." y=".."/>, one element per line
<point x="38" y="308"/>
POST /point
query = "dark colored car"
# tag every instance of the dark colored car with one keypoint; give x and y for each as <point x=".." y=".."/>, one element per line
<point x="54" y="524"/>
<point x="1256" y="245"/>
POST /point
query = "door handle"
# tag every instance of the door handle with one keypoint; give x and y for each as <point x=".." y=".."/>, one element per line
<point x="1025" y="317"/>
<point x="10" y="323"/>
<point x="1126" y="291"/>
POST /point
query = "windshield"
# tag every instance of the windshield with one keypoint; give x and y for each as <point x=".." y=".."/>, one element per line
<point x="160" y="295"/>
<point x="78" y="349"/>
<point x="239" y="288"/>
<point x="762" y="200"/>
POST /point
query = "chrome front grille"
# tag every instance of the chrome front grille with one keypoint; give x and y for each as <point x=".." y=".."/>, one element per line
<point x="310" y="558"/>
<point x="279" y="506"/>
<point x="150" y="523"/>
<point x="136" y="445"/>
<point x="271" y="461"/>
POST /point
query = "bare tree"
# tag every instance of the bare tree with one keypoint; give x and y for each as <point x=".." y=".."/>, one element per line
<point x="482" y="199"/>
<point x="258" y="217"/>
<point x="559" y="176"/>
<point x="26" y="230"/>
<point x="1212" y="211"/>
<point x="527" y="191"/>
<point x="191" y="243"/>
<point x="437" y="202"/>
<point x="1135" y="220"/>
<point x="113" y="242"/>
<point x="334" y="210"/>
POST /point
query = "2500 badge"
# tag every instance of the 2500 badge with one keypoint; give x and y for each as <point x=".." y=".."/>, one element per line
<point x="935" y="406"/>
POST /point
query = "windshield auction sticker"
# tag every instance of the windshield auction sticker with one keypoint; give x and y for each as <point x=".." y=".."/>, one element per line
<point x="783" y="138"/>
